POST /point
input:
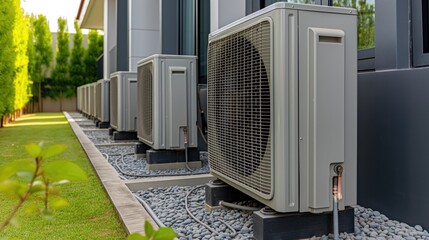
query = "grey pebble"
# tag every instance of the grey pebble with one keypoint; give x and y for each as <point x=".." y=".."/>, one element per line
<point x="168" y="203"/>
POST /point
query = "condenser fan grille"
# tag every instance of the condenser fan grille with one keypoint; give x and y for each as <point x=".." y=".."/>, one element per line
<point x="144" y="88"/>
<point x="114" y="101"/>
<point x="239" y="108"/>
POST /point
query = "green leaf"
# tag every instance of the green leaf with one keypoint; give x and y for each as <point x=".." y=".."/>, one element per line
<point x="165" y="233"/>
<point x="37" y="186"/>
<point x="53" y="150"/>
<point x="63" y="170"/>
<point x="57" y="203"/>
<point x="136" y="236"/>
<point x="33" y="149"/>
<point x="10" y="187"/>
<point x="25" y="175"/>
<point x="148" y="229"/>
<point x="47" y="214"/>
<point x="61" y="182"/>
<point x="12" y="168"/>
<point x="31" y="208"/>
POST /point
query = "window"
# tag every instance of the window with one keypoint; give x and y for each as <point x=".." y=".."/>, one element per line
<point x="194" y="29"/>
<point x="366" y="20"/>
<point x="187" y="29"/>
<point x="420" y="22"/>
<point x="203" y="38"/>
<point x="425" y="26"/>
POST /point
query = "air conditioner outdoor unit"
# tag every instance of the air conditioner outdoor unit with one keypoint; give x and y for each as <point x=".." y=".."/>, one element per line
<point x="123" y="101"/>
<point x="85" y="96"/>
<point x="167" y="101"/>
<point x="79" y="98"/>
<point x="91" y="99"/>
<point x="102" y="100"/>
<point x="282" y="105"/>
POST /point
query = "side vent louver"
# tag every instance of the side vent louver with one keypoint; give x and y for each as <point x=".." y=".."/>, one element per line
<point x="98" y="100"/>
<point x="145" y="90"/>
<point x="114" y="101"/>
<point x="239" y="108"/>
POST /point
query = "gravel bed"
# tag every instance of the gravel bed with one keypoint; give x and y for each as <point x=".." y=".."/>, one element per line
<point x="168" y="205"/>
<point x="98" y="137"/>
<point x="132" y="167"/>
<point x="91" y="128"/>
<point x="101" y="136"/>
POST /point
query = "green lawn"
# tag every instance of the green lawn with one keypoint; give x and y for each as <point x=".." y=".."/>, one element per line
<point x="90" y="214"/>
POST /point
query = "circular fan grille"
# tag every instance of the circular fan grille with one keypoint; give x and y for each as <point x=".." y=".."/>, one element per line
<point x="239" y="107"/>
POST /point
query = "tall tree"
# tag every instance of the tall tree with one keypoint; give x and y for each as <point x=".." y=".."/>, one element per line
<point x="31" y="53"/>
<point x="77" y="66"/>
<point x="42" y="54"/>
<point x="91" y="56"/>
<point x="20" y="39"/>
<point x="60" y="74"/>
<point x="7" y="57"/>
<point x="100" y="44"/>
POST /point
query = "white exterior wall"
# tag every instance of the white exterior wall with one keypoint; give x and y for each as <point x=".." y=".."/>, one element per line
<point x="144" y="30"/>
<point x="109" y="34"/>
<point x="224" y="12"/>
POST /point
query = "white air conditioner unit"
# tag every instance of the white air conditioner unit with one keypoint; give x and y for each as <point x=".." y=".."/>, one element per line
<point x="123" y="101"/>
<point x="79" y="98"/>
<point x="102" y="100"/>
<point x="167" y="101"/>
<point x="282" y="105"/>
<point x="91" y="100"/>
<point x="85" y="96"/>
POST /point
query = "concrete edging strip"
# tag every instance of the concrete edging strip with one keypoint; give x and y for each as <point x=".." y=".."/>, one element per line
<point x="130" y="211"/>
<point x="158" y="182"/>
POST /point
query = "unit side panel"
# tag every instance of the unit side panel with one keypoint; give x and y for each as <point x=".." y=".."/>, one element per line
<point x="131" y="117"/>
<point x="105" y="101"/>
<point x="176" y="106"/>
<point x="327" y="107"/>
<point x="285" y="110"/>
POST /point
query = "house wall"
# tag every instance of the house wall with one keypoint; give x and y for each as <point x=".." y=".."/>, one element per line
<point x="143" y="30"/>
<point x="393" y="130"/>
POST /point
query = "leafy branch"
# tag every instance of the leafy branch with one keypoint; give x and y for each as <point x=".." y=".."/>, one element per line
<point x="40" y="178"/>
<point x="163" y="233"/>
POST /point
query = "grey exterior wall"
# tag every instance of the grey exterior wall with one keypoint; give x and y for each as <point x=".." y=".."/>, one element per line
<point x="393" y="145"/>
<point x="170" y="26"/>
<point x="392" y="39"/>
<point x="113" y="53"/>
<point x="100" y="67"/>
<point x="122" y="35"/>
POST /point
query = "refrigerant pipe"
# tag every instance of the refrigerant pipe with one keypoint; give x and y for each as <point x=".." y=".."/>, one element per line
<point x="236" y="206"/>
<point x="335" y="213"/>
<point x="337" y="192"/>
<point x="185" y="141"/>
<point x="150" y="211"/>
